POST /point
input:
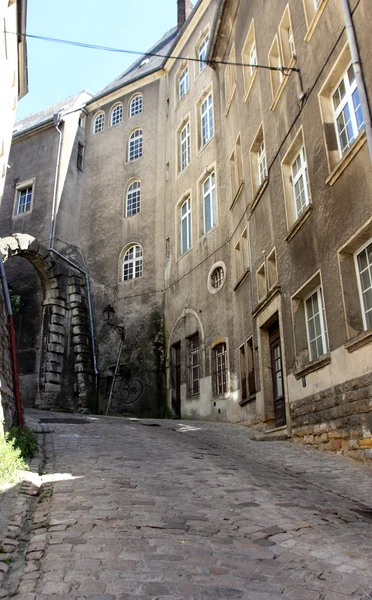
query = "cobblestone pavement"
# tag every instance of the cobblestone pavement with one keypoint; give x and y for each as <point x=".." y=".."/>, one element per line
<point x="190" y="510"/>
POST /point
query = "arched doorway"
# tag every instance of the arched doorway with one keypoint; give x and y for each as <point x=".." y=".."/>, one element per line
<point x="57" y="372"/>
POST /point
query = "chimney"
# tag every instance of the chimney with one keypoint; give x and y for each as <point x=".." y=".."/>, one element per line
<point x="184" y="8"/>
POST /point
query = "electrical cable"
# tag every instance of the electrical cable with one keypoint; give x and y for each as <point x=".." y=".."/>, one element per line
<point x="285" y="70"/>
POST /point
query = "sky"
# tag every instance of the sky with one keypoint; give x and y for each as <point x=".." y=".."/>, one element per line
<point x="57" y="71"/>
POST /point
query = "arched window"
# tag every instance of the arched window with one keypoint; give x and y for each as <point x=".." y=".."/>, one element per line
<point x="116" y="114"/>
<point x="135" y="145"/>
<point x="132" y="263"/>
<point x="133" y="199"/>
<point x="99" y="122"/>
<point x="135" y="107"/>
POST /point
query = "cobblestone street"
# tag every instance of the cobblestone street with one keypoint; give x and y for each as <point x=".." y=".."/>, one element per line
<point x="193" y="510"/>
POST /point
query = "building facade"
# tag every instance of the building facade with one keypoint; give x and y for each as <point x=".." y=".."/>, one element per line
<point x="14" y="85"/>
<point x="220" y="200"/>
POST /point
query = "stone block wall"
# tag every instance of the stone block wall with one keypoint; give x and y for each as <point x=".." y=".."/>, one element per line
<point x="7" y="400"/>
<point x="337" y="419"/>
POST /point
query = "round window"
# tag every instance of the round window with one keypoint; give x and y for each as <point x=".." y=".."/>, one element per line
<point x="216" y="277"/>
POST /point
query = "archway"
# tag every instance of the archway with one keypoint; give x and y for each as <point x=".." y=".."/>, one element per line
<point x="61" y="363"/>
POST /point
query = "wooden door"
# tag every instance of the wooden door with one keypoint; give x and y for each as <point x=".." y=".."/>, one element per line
<point x="277" y="375"/>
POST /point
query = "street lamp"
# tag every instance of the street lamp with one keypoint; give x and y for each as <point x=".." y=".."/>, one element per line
<point x="109" y="316"/>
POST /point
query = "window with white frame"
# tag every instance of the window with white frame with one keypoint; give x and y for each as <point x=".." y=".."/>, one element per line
<point x="185" y="217"/>
<point x="206" y="120"/>
<point x="300" y="182"/>
<point x="316" y="325"/>
<point x="258" y="162"/>
<point x="202" y="52"/>
<point x="341" y="113"/>
<point x="24" y="200"/>
<point x="184" y="146"/>
<point x="135" y="145"/>
<point x="296" y="181"/>
<point x="230" y="77"/>
<point x="135" y="107"/>
<point x="347" y="110"/>
<point x="183" y="83"/>
<point x="236" y="169"/>
<point x="363" y="260"/>
<point x="209" y="202"/>
<point x="287" y="45"/>
<point x="247" y="374"/>
<point x="220" y="369"/>
<point x="261" y="163"/>
<point x="132" y="263"/>
<point x="99" y="122"/>
<point x="275" y="61"/>
<point x="133" y="199"/>
<point x="249" y="57"/>
<point x="194" y="365"/>
<point x="117" y="114"/>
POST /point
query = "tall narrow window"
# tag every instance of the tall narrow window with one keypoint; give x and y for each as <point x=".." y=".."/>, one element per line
<point x="194" y="365"/>
<point x="258" y="163"/>
<point x="24" y="200"/>
<point x="183" y="83"/>
<point x="206" y="120"/>
<point x="275" y="60"/>
<point x="249" y="57"/>
<point x="220" y="369"/>
<point x="202" y="52"/>
<point x="300" y="182"/>
<point x="135" y="107"/>
<point x="132" y="263"/>
<point x="316" y="329"/>
<point x="209" y="202"/>
<point x="184" y="141"/>
<point x="117" y="114"/>
<point x="261" y="163"/>
<point x="364" y="268"/>
<point x="186" y="226"/>
<point x="133" y="199"/>
<point x="99" y="122"/>
<point x="347" y="111"/>
<point x="135" y="145"/>
<point x="80" y="156"/>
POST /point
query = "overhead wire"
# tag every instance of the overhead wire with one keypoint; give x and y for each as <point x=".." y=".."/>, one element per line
<point x="285" y="70"/>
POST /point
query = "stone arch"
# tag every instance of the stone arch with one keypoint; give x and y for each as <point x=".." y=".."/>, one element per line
<point x="186" y="325"/>
<point x="65" y="373"/>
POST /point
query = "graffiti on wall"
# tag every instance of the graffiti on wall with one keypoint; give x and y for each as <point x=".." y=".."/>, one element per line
<point x="126" y="393"/>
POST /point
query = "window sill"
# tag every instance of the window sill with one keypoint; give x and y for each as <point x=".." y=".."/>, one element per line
<point x="359" y="341"/>
<point x="179" y="173"/>
<point x="314" y="365"/>
<point x="181" y="256"/>
<point x="300" y="221"/>
<point x="251" y="398"/>
<point x="280" y="90"/>
<point x="241" y="279"/>
<point x="246" y="93"/>
<point x="259" y="193"/>
<point x="347" y="158"/>
<point x="314" y="21"/>
<point x="266" y="300"/>
<point x="206" y="144"/>
<point x="237" y="195"/>
<point x="181" y="100"/>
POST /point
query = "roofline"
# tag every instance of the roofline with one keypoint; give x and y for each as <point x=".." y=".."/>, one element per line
<point x="215" y="29"/>
<point x="177" y="37"/>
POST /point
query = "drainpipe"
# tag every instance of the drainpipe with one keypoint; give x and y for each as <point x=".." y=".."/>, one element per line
<point x="254" y="335"/>
<point x="13" y="347"/>
<point x="57" y="118"/>
<point x="355" y="59"/>
<point x="90" y="309"/>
